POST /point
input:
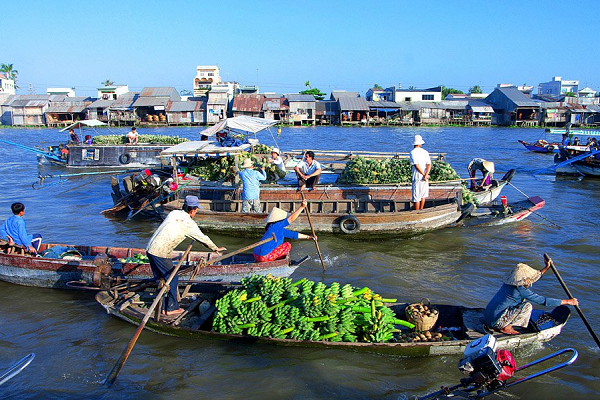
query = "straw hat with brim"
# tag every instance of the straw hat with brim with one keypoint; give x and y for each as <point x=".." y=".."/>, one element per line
<point x="418" y="140"/>
<point x="522" y="275"/>
<point x="276" y="214"/>
<point x="247" y="163"/>
<point x="488" y="165"/>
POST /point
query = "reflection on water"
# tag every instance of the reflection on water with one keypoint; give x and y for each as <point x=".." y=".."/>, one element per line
<point x="76" y="343"/>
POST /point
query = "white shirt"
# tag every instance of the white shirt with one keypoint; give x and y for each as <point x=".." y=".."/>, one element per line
<point x="175" y="228"/>
<point x="278" y="161"/>
<point x="419" y="156"/>
<point x="306" y="169"/>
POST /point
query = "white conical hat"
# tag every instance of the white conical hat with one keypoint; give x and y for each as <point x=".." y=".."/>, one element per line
<point x="489" y="166"/>
<point x="522" y="275"/>
<point x="276" y="214"/>
<point x="247" y="163"/>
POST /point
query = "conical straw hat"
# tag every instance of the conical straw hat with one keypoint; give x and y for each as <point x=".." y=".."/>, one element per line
<point x="489" y="166"/>
<point x="522" y="275"/>
<point x="276" y="214"/>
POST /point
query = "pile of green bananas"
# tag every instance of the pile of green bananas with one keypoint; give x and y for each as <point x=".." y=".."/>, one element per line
<point x="304" y="310"/>
<point x="151" y="139"/>
<point x="223" y="169"/>
<point x="135" y="259"/>
<point x="391" y="170"/>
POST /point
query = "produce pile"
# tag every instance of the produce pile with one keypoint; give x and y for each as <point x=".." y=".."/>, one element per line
<point x="122" y="139"/>
<point x="135" y="259"/>
<point x="223" y="169"/>
<point x="304" y="310"/>
<point x="391" y="170"/>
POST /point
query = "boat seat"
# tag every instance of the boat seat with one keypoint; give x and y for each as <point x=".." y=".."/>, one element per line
<point x="12" y="249"/>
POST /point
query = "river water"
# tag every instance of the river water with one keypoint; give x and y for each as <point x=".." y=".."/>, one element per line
<point x="76" y="343"/>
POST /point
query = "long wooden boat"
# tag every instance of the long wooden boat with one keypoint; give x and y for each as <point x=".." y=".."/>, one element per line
<point x="99" y="265"/>
<point x="353" y="216"/>
<point x="462" y="324"/>
<point x="489" y="195"/>
<point x="588" y="167"/>
<point x="541" y="147"/>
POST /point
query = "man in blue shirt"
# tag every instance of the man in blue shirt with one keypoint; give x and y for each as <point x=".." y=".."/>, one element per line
<point x="251" y="190"/>
<point x="14" y="231"/>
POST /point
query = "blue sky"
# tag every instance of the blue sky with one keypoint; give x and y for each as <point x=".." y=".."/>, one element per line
<point x="279" y="45"/>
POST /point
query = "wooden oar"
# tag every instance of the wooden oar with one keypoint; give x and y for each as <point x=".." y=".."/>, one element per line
<point x="568" y="292"/>
<point x="313" y="232"/>
<point x="112" y="376"/>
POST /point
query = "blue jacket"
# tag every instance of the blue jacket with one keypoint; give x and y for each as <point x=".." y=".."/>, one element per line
<point x="251" y="179"/>
<point x="15" y="227"/>
<point x="280" y="233"/>
<point x="511" y="296"/>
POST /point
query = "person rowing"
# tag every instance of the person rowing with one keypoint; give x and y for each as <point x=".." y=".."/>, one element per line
<point x="509" y="306"/>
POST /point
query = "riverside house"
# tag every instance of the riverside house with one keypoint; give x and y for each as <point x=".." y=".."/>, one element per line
<point x="302" y="109"/>
<point x="151" y="105"/>
<point x="189" y="112"/>
<point x="512" y="107"/>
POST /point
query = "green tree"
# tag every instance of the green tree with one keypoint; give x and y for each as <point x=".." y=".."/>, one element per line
<point x="10" y="72"/>
<point x="476" y="89"/>
<point x="314" y="91"/>
<point x="448" y="90"/>
<point x="108" y="82"/>
<point x="376" y="86"/>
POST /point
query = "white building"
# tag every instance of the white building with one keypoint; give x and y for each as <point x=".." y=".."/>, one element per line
<point x="206" y="76"/>
<point x="7" y="86"/>
<point x="557" y="86"/>
<point x="427" y="95"/>
<point x="69" y="92"/>
<point x="112" y="92"/>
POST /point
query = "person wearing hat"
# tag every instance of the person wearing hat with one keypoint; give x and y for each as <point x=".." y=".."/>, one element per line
<point x="421" y="166"/>
<point x="276" y="222"/>
<point x="487" y="168"/>
<point x="132" y="136"/>
<point x="251" y="186"/>
<point x="175" y="228"/>
<point x="276" y="159"/>
<point x="509" y="308"/>
<point x="308" y="171"/>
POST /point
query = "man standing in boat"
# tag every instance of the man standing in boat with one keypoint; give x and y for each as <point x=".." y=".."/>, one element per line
<point x="308" y="171"/>
<point x="251" y="186"/>
<point x="14" y="231"/>
<point x="421" y="166"/>
<point x="178" y="225"/>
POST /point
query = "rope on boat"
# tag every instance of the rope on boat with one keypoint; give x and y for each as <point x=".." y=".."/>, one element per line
<point x="533" y="212"/>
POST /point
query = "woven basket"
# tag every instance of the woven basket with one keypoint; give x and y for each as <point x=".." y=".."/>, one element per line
<point x="415" y="314"/>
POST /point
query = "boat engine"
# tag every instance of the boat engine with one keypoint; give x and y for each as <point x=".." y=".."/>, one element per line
<point x="101" y="277"/>
<point x="486" y="365"/>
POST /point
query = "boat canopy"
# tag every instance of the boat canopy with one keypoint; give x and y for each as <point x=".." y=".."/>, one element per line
<point x="86" y="122"/>
<point x="203" y="149"/>
<point x="243" y="124"/>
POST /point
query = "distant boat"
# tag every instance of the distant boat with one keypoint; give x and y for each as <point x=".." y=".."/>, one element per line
<point x="541" y="146"/>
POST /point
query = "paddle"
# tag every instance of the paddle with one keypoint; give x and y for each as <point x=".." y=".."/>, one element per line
<point x="568" y="292"/>
<point x="112" y="376"/>
<point x="313" y="232"/>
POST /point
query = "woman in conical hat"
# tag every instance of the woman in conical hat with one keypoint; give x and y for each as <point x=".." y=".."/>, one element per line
<point x="509" y="307"/>
<point x="276" y="222"/>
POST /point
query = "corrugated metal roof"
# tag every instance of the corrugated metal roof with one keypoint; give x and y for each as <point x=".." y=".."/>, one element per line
<point x="248" y="102"/>
<point x="353" y="104"/>
<point x="6" y="99"/>
<point x="384" y="104"/>
<point x="337" y="94"/>
<point x="574" y="107"/>
<point x="29" y="103"/>
<point x="150" y="101"/>
<point x="454" y="104"/>
<point x="517" y="97"/>
<point x="300" y="97"/>
<point x="125" y="101"/>
<point x="594" y="108"/>
<point x="480" y="106"/>
<point x="101" y="103"/>
<point x="271" y="104"/>
<point x="169" y="92"/>
<point x="414" y="105"/>
<point x="217" y="101"/>
<point x="182" y="106"/>
<point x="66" y="107"/>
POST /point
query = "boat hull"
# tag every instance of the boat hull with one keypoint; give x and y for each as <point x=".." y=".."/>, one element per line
<point x="471" y="320"/>
<point x="61" y="273"/>
<point x="109" y="156"/>
<point x="587" y="169"/>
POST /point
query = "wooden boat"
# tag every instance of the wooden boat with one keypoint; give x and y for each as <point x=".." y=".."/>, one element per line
<point x="101" y="265"/>
<point x="487" y="196"/>
<point x="541" y="146"/>
<point x="360" y="217"/>
<point x="462" y="324"/>
<point x="588" y="167"/>
<point x="498" y="214"/>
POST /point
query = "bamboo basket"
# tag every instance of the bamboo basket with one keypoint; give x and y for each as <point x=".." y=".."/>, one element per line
<point x="422" y="315"/>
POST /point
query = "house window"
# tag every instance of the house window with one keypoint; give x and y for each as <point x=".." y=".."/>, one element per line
<point x="407" y="99"/>
<point x="427" y="97"/>
<point x="211" y="74"/>
<point x="184" y="114"/>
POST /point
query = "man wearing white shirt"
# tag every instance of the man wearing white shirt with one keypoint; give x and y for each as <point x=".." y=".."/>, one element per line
<point x="308" y="171"/>
<point x="421" y="166"/>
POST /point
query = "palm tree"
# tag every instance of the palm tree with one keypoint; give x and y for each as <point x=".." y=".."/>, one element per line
<point x="108" y="82"/>
<point x="10" y="72"/>
<point x="307" y="84"/>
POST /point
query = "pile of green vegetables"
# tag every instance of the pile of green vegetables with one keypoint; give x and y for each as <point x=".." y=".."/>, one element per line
<point x="223" y="169"/>
<point x="135" y="259"/>
<point x="304" y="310"/>
<point x="391" y="170"/>
<point x="152" y="139"/>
